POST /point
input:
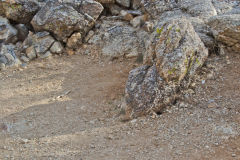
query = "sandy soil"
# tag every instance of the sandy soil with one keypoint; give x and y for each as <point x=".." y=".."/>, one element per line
<point x="68" y="108"/>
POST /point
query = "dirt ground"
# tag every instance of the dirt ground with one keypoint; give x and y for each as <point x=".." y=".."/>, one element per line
<point x="68" y="108"/>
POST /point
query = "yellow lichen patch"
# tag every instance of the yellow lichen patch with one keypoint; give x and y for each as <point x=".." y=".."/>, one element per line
<point x="159" y="31"/>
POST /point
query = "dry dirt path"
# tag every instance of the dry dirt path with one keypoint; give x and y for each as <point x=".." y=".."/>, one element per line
<point x="67" y="108"/>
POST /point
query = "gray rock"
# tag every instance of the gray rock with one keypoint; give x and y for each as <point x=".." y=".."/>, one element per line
<point x="136" y="4"/>
<point x="2" y="66"/>
<point x="92" y="8"/>
<point x="8" y="56"/>
<point x="41" y="42"/>
<point x="31" y="53"/>
<point x="125" y="3"/>
<point x="222" y="7"/>
<point x="203" y="8"/>
<point x="60" y="19"/>
<point x="46" y="55"/>
<point x="8" y="34"/>
<point x="157" y="7"/>
<point x="89" y="35"/>
<point x="226" y="30"/>
<point x="174" y="54"/>
<point x="138" y="21"/>
<point x="106" y="1"/>
<point x="118" y="39"/>
<point x="114" y="9"/>
<point x="21" y="11"/>
<point x="57" y="48"/>
<point x="22" y="31"/>
<point x="89" y="7"/>
<point x="25" y="59"/>
<point x="204" y="32"/>
<point x="147" y="92"/>
<point x="202" y="29"/>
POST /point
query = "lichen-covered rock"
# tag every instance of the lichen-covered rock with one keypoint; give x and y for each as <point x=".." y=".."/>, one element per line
<point x="60" y="19"/>
<point x="147" y="92"/>
<point x="21" y="11"/>
<point x="200" y="27"/>
<point x="8" y="34"/>
<point x="174" y="54"/>
<point x="226" y="29"/>
<point x="176" y="49"/>
<point x="8" y="56"/>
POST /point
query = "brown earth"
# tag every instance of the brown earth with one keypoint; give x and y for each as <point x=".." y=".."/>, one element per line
<point x="68" y="108"/>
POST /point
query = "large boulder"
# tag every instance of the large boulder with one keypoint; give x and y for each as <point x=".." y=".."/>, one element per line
<point x="226" y="30"/>
<point x="174" y="54"/>
<point x="8" y="56"/>
<point x="61" y="20"/>
<point x="21" y="11"/>
<point x="8" y="34"/>
<point x="176" y="49"/>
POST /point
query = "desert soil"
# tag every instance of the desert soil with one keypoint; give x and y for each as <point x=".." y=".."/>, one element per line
<point x="68" y="107"/>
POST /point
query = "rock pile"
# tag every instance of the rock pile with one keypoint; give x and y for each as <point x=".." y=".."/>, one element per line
<point x="171" y="37"/>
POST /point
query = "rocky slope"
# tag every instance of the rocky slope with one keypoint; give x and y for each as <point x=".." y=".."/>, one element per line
<point x="172" y="38"/>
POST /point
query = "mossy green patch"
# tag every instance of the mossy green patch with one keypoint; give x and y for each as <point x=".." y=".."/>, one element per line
<point x="178" y="30"/>
<point x="172" y="71"/>
<point x="159" y="31"/>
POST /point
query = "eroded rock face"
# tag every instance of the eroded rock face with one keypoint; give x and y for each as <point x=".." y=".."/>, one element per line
<point x="174" y="54"/>
<point x="227" y="30"/>
<point x="60" y="19"/>
<point x="21" y="11"/>
<point x="8" y="56"/>
<point x="8" y="34"/>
